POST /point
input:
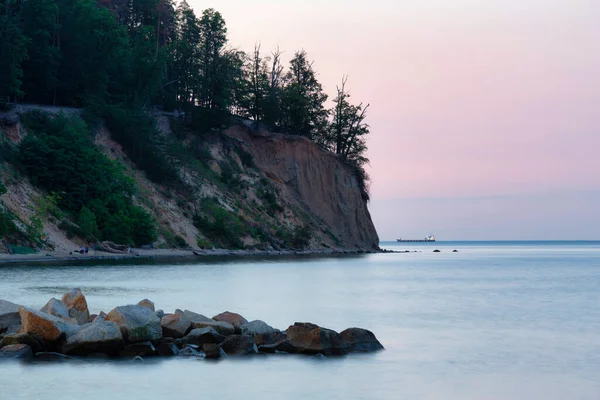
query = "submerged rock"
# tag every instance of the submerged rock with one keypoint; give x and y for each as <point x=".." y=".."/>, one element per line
<point x="98" y="337"/>
<point x="167" y="349"/>
<point x="280" y="347"/>
<point x="137" y="323"/>
<point x="16" y="351"/>
<point x="211" y="350"/>
<point x="32" y="341"/>
<point x="188" y="352"/>
<point x="77" y="306"/>
<point x="309" y="338"/>
<point x="360" y="340"/>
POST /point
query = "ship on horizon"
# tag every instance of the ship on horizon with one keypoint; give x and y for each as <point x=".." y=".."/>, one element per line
<point x="430" y="238"/>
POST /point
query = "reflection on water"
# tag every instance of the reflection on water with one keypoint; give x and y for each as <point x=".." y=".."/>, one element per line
<point x="499" y="321"/>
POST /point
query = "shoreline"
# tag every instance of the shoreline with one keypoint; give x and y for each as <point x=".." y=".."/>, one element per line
<point x="141" y="254"/>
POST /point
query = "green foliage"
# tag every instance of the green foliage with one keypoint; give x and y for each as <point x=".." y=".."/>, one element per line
<point x="301" y="237"/>
<point x="59" y="156"/>
<point x="13" y="50"/>
<point x="204" y="244"/>
<point x="220" y="225"/>
<point x="181" y="243"/>
<point x="15" y="249"/>
<point x="87" y="223"/>
<point x="269" y="198"/>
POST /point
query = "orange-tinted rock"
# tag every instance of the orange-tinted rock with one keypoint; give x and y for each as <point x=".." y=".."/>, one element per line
<point x="309" y="338"/>
<point x="231" y="318"/>
<point x="147" y="303"/>
<point x="175" y="325"/>
<point x="45" y="326"/>
<point x="77" y="306"/>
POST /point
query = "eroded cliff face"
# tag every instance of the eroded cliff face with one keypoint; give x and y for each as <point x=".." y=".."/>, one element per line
<point x="317" y="181"/>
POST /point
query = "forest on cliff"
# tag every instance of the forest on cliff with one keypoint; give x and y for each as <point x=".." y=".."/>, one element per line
<point x="122" y="60"/>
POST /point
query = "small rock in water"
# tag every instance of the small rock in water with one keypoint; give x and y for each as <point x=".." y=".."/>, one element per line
<point x="455" y="251"/>
<point x="188" y="352"/>
<point x="437" y="251"/>
<point x="16" y="351"/>
<point x="318" y="357"/>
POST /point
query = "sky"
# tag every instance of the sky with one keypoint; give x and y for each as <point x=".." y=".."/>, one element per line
<point x="484" y="114"/>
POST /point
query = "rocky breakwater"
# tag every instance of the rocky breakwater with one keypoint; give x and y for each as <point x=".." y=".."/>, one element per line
<point x="64" y="329"/>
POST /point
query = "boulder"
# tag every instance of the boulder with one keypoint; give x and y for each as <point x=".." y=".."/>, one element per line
<point x="45" y="326"/>
<point x="56" y="307"/>
<point x="280" y="347"/>
<point x="144" y="349"/>
<point x="175" y="325"/>
<point x="188" y="351"/>
<point x="238" y="345"/>
<point x="77" y="306"/>
<point x="201" y="336"/>
<point x="50" y="356"/>
<point x="9" y="315"/>
<point x="360" y="340"/>
<point x="231" y="318"/>
<point x="93" y="317"/>
<point x="223" y="328"/>
<point x="98" y="337"/>
<point x="35" y="343"/>
<point x="167" y="349"/>
<point x="211" y="350"/>
<point x="160" y="313"/>
<point x="146" y="303"/>
<point x="137" y="323"/>
<point x="262" y="333"/>
<point x="193" y="317"/>
<point x="312" y="339"/>
<point x="16" y="351"/>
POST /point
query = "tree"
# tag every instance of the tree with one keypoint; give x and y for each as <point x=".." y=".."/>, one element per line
<point x="258" y="85"/>
<point x="13" y="51"/>
<point x="303" y="99"/>
<point x="212" y="91"/>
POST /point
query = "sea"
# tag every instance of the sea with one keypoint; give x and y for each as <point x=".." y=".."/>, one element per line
<point x="494" y="320"/>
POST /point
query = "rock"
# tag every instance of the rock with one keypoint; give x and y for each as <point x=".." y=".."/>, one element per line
<point x="167" y="349"/>
<point x="146" y="303"/>
<point x="77" y="306"/>
<point x="98" y="337"/>
<point x="203" y="335"/>
<point x="50" y="356"/>
<point x="231" y="318"/>
<point x="160" y="313"/>
<point x="144" y="349"/>
<point x="175" y="325"/>
<point x="93" y="317"/>
<point x="211" y="350"/>
<point x="9" y="315"/>
<point x="238" y="345"/>
<point x="360" y="340"/>
<point x="45" y="326"/>
<point x="137" y="358"/>
<point x="262" y="333"/>
<point x="223" y="328"/>
<point x="56" y="307"/>
<point x="281" y="347"/>
<point x="16" y="351"/>
<point x="137" y="323"/>
<point x="35" y="343"/>
<point x="437" y="251"/>
<point x="188" y="352"/>
<point x="312" y="339"/>
<point x="455" y="251"/>
<point x="193" y="317"/>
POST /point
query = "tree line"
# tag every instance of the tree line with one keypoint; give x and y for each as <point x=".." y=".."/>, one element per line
<point x="135" y="54"/>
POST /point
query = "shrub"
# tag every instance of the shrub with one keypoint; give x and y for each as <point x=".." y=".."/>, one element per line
<point x="220" y="225"/>
<point x="301" y="237"/>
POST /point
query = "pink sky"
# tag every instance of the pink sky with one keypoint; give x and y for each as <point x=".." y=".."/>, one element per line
<point x="469" y="98"/>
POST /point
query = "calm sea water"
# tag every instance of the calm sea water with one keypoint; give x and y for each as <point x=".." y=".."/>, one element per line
<point x="498" y="320"/>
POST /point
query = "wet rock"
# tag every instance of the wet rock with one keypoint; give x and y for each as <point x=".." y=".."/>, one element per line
<point x="45" y="326"/>
<point x="56" y="307"/>
<point x="9" y="315"/>
<point x="262" y="333"/>
<point x="167" y="349"/>
<point x="437" y="251"/>
<point x="211" y="350"/>
<point x="312" y="339"/>
<point x="144" y="349"/>
<point x="280" y="347"/>
<point x="77" y="306"/>
<point x="146" y="303"/>
<point x="50" y="356"/>
<point x="231" y="318"/>
<point x="137" y="323"/>
<point x="360" y="340"/>
<point x="455" y="251"/>
<point x="16" y="352"/>
<point x="175" y="325"/>
<point x="35" y="343"/>
<point x="98" y="337"/>
<point x="201" y="336"/>
<point x="238" y="345"/>
<point x="188" y="352"/>
<point x="160" y="313"/>
<point x="93" y="317"/>
<point x="223" y="328"/>
<point x="194" y="317"/>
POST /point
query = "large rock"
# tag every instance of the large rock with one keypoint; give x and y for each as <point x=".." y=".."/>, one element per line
<point x="238" y="345"/>
<point x="201" y="336"/>
<point x="175" y="325"/>
<point x="77" y="306"/>
<point x="137" y="323"/>
<point x="212" y="350"/>
<point x="312" y="339"/>
<point x="144" y="349"/>
<point x="9" y="315"/>
<point x="23" y="338"/>
<point x="193" y="317"/>
<point x="57" y="308"/>
<point x="223" y="328"/>
<point x="147" y="303"/>
<point x="280" y="347"/>
<point x="360" y="340"/>
<point x="16" y="351"/>
<point x="98" y="337"/>
<point x="262" y="333"/>
<point x="231" y="318"/>
<point x="45" y="326"/>
<point x="167" y="349"/>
